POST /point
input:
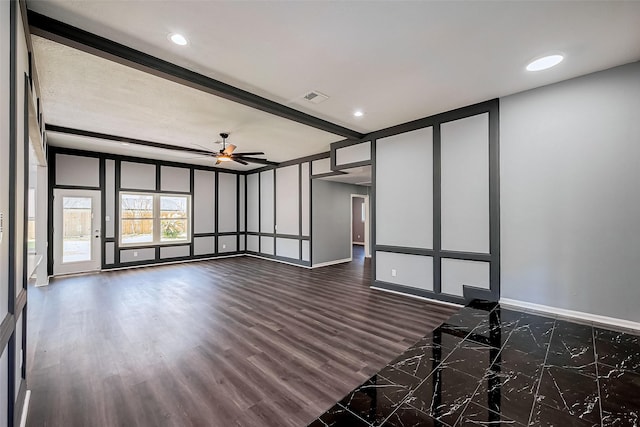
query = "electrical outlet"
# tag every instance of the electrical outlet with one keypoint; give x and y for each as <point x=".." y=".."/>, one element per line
<point x="135" y="253"/>
<point x="393" y="272"/>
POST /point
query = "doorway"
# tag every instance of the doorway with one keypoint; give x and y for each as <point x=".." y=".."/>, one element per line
<point x="76" y="231"/>
<point x="360" y="226"/>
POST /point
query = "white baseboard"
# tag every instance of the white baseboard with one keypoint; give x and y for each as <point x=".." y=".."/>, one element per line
<point x="571" y="314"/>
<point x="452" y="304"/>
<point x="25" y="409"/>
<point x="278" y="260"/>
<point x="358" y="243"/>
<point x="328" y="263"/>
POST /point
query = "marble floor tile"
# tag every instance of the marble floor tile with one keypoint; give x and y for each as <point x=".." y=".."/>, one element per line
<point x="570" y="392"/>
<point x="444" y="395"/>
<point x="379" y="396"/>
<point x="493" y="366"/>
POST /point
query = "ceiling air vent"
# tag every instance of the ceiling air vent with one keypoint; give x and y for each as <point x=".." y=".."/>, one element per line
<point x="315" y="97"/>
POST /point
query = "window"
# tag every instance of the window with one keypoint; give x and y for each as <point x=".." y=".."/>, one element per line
<point x="148" y="218"/>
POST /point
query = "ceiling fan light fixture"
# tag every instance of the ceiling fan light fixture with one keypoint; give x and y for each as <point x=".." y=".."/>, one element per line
<point x="224" y="158"/>
<point x="178" y="39"/>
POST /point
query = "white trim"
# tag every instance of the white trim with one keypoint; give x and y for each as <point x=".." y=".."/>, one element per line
<point x="25" y="409"/>
<point x="277" y="260"/>
<point x="358" y="243"/>
<point x="328" y="263"/>
<point x="571" y="314"/>
<point x="453" y="304"/>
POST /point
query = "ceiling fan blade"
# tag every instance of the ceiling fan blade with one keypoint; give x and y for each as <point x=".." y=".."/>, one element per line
<point x="238" y="160"/>
<point x="260" y="161"/>
<point x="229" y="149"/>
<point x="253" y="153"/>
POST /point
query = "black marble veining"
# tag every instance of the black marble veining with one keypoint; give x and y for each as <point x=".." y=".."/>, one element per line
<point x="487" y="365"/>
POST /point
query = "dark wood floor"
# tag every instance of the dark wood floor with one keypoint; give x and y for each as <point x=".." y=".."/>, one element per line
<point x="230" y="342"/>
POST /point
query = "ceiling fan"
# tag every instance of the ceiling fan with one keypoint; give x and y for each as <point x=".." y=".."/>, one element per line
<point x="227" y="154"/>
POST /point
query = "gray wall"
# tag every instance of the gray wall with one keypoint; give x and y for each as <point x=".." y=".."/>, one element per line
<point x="330" y="218"/>
<point x="570" y="198"/>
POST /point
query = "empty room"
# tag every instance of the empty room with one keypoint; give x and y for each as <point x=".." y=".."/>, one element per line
<point x="319" y="213"/>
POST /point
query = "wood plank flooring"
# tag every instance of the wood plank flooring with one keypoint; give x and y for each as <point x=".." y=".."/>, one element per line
<point x="230" y="342"/>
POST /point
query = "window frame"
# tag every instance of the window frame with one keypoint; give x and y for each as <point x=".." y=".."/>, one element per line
<point x="156" y="219"/>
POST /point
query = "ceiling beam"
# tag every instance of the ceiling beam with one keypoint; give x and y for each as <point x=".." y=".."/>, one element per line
<point x="116" y="138"/>
<point x="85" y="41"/>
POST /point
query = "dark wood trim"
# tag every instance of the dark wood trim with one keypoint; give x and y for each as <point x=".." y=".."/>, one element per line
<point x="116" y="213"/>
<point x="348" y="166"/>
<point x="192" y="184"/>
<point x="465" y="256"/>
<point x="324" y="175"/>
<point x="419" y="292"/>
<point x="448" y="116"/>
<point x="7" y="327"/>
<point x="216" y="208"/>
<point x="494" y="197"/>
<point x="299" y="160"/>
<point x="21" y="302"/>
<point x="85" y="41"/>
<point x="117" y="138"/>
<point x="164" y="261"/>
<point x="404" y="250"/>
<point x="437" y="208"/>
<point x="12" y="214"/>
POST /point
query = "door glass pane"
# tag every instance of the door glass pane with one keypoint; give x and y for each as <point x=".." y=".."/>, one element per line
<point x="174" y="216"/>
<point x="76" y="229"/>
<point x="137" y="218"/>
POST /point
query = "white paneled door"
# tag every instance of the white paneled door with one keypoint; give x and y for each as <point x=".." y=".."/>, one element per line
<point x="76" y="231"/>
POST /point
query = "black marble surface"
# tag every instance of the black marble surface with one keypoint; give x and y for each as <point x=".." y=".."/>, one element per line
<point x="487" y="365"/>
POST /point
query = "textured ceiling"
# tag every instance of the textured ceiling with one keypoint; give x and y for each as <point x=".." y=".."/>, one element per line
<point x="396" y="60"/>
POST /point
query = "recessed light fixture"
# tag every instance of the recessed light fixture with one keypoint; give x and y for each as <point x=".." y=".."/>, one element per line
<point x="124" y="143"/>
<point x="358" y="113"/>
<point x="545" y="62"/>
<point x="178" y="39"/>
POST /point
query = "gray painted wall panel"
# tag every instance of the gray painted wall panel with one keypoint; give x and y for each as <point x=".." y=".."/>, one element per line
<point x="570" y="199"/>
<point x="318" y="167"/>
<point x="457" y="273"/>
<point x="253" y="243"/>
<point x="415" y="271"/>
<point x="306" y="199"/>
<point x="138" y="176"/>
<point x="203" y="201"/>
<point x="253" y="215"/>
<point x="404" y="190"/>
<point x="227" y="199"/>
<point x="266" y="245"/>
<point x="77" y="170"/>
<point x="306" y="248"/>
<point x="353" y="153"/>
<point x="242" y="237"/>
<point x="289" y="248"/>
<point x="465" y="184"/>
<point x="175" y="179"/>
<point x="109" y="253"/>
<point x="110" y="198"/>
<point x="287" y="200"/>
<point x="266" y="202"/>
<point x="227" y="244"/>
<point x="174" y="251"/>
<point x="146" y="254"/>
<point x="332" y="220"/>
<point x="204" y="245"/>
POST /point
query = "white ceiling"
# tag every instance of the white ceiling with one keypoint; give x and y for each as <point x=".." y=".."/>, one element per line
<point x="395" y="60"/>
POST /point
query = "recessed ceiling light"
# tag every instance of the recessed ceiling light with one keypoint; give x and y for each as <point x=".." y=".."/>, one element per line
<point x="124" y="143"/>
<point x="545" y="62"/>
<point x="358" y="113"/>
<point x="178" y="39"/>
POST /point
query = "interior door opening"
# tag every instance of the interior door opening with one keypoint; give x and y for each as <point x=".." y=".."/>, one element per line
<point x="360" y="226"/>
